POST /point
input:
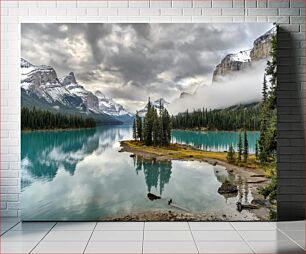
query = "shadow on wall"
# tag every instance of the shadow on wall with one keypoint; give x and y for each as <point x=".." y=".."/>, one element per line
<point x="290" y="127"/>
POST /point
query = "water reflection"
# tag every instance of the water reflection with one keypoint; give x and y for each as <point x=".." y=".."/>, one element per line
<point x="80" y="175"/>
<point x="42" y="153"/>
<point x="156" y="172"/>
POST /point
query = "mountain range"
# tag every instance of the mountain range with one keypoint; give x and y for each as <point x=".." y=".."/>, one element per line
<point x="41" y="87"/>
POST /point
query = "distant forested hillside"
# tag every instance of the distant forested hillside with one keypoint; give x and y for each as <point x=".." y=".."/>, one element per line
<point x="229" y="119"/>
<point x="37" y="119"/>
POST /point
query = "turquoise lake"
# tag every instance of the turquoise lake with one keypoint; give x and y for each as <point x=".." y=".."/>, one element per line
<point x="80" y="175"/>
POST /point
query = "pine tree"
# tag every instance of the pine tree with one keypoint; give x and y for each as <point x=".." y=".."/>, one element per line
<point x="245" y="147"/>
<point x="267" y="140"/>
<point x="148" y="125"/>
<point x="139" y="127"/>
<point x="166" y="127"/>
<point x="134" y="130"/>
<point x="155" y="128"/>
<point x="256" y="150"/>
<point x="239" y="148"/>
<point x="264" y="90"/>
<point x="231" y="154"/>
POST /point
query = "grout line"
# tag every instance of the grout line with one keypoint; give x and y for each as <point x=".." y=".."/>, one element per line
<point x="290" y="238"/>
<point x="143" y="232"/>
<point x="90" y="237"/>
<point x="244" y="240"/>
<point x="43" y="238"/>
<point x="14" y="225"/>
<point x="193" y="238"/>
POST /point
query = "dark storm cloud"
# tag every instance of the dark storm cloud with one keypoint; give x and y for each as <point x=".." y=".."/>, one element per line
<point x="120" y="59"/>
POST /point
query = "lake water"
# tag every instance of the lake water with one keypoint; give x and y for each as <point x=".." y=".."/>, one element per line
<point x="214" y="140"/>
<point x="80" y="175"/>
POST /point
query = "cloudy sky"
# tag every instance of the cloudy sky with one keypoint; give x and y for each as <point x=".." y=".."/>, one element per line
<point x="130" y="62"/>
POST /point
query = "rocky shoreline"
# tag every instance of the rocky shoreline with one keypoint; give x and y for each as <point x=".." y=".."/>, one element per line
<point x="170" y="215"/>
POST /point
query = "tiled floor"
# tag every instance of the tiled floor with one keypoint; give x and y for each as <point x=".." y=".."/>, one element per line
<point x="152" y="237"/>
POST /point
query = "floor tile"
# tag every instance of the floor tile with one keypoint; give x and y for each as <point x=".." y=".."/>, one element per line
<point x="63" y="226"/>
<point x="33" y="226"/>
<point x="169" y="247"/>
<point x="99" y="236"/>
<point x="69" y="236"/>
<point x="273" y="235"/>
<point x="120" y="226"/>
<point x="222" y="226"/>
<point x="216" y="236"/>
<point x="167" y="236"/>
<point x="223" y="247"/>
<point x="296" y="235"/>
<point x="252" y="226"/>
<point x="5" y="226"/>
<point x="291" y="225"/>
<point x="22" y="236"/>
<point x="276" y="247"/>
<point x="17" y="247"/>
<point x="60" y="247"/>
<point x="114" y="247"/>
<point x="166" y="226"/>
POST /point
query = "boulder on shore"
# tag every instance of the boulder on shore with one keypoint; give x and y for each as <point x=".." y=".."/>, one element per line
<point x="227" y="187"/>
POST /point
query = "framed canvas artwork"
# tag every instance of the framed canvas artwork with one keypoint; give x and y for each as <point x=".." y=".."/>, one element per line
<point x="148" y="122"/>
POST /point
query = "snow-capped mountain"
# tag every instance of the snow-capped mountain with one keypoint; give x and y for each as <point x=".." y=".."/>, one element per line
<point x="262" y="45"/>
<point x="110" y="107"/>
<point x="88" y="98"/>
<point x="41" y="87"/>
<point x="157" y="104"/>
<point x="243" y="59"/>
<point x="42" y="82"/>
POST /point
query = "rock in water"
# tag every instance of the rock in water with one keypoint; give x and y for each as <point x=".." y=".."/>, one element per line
<point x="227" y="187"/>
<point x="241" y="206"/>
<point x="152" y="196"/>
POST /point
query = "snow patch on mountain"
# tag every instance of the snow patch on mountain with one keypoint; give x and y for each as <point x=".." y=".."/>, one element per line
<point x="110" y="107"/>
<point x="242" y="56"/>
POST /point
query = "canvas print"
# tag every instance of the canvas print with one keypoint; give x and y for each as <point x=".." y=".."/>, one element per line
<point x="148" y="122"/>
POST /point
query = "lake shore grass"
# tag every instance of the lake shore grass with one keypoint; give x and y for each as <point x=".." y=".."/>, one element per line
<point x="177" y="151"/>
<point x="205" y="129"/>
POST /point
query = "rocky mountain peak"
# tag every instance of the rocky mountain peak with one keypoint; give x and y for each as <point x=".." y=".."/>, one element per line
<point x="262" y="45"/>
<point x="69" y="79"/>
<point x="231" y="63"/>
<point x="25" y="63"/>
<point x="37" y="75"/>
<point x="99" y="94"/>
<point x="243" y="59"/>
